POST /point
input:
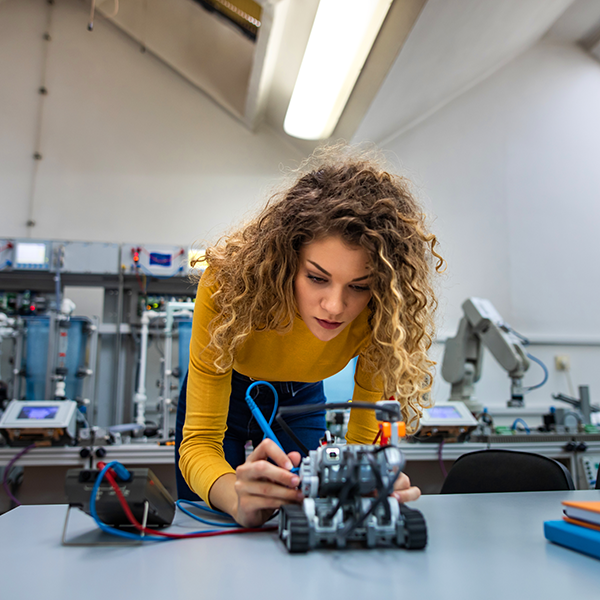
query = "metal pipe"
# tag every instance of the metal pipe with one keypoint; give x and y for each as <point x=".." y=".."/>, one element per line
<point x="584" y="398"/>
<point x="7" y="330"/>
<point x="58" y="254"/>
<point x="91" y="371"/>
<point x="166" y="387"/>
<point x="118" y="394"/>
<point x="18" y="364"/>
<point x="140" y="397"/>
<point x="52" y="355"/>
<point x="173" y="309"/>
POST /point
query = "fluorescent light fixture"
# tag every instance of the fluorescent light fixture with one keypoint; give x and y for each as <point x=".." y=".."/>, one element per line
<point x="339" y="43"/>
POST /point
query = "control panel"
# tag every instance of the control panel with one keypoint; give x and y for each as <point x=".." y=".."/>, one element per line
<point x="156" y="261"/>
<point x="87" y="257"/>
<point x="32" y="255"/>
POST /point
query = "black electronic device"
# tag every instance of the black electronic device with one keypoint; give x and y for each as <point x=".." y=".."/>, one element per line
<point x="146" y="496"/>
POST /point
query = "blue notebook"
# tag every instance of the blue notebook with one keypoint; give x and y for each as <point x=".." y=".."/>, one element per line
<point x="576" y="537"/>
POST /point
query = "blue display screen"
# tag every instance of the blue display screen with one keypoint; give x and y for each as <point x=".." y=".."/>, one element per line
<point x="443" y="412"/>
<point x="38" y="412"/>
<point x="162" y="260"/>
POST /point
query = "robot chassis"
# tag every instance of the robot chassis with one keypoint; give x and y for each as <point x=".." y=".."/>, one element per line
<point x="346" y="491"/>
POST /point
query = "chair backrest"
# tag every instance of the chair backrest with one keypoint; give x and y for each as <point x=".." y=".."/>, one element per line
<point x="506" y="471"/>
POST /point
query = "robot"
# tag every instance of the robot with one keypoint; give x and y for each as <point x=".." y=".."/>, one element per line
<point x="346" y="488"/>
<point x="347" y="499"/>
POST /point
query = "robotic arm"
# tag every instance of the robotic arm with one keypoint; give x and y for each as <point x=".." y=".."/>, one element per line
<point x="463" y="356"/>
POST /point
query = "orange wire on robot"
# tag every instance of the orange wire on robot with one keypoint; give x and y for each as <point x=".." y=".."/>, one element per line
<point x="385" y="432"/>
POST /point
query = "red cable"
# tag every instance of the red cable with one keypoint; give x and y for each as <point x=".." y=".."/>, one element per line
<point x="139" y="279"/>
<point x="377" y="437"/>
<point x="140" y="527"/>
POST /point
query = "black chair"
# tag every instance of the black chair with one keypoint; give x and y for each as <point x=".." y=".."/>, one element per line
<point x="506" y="471"/>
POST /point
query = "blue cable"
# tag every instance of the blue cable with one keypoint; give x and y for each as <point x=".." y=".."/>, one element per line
<point x="526" y="342"/>
<point x="523" y="339"/>
<point x="519" y="420"/>
<point x="200" y="519"/>
<point x="260" y="419"/>
<point x="539" y="362"/>
<point x="275" y="396"/>
<point x="206" y="508"/>
<point x="257" y="413"/>
<point x="103" y="526"/>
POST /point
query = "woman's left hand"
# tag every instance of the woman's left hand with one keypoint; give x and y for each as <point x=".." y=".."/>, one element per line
<point x="403" y="491"/>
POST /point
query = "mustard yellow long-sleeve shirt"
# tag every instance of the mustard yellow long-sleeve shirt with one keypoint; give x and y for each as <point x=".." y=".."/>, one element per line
<point x="270" y="356"/>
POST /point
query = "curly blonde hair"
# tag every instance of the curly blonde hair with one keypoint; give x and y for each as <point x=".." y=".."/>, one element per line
<point x="338" y="191"/>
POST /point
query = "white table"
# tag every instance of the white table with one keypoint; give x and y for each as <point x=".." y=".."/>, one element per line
<point x="481" y="546"/>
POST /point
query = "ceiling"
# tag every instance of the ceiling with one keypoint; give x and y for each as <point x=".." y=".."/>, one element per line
<point x="427" y="53"/>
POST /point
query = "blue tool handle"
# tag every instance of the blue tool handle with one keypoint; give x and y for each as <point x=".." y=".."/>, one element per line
<point x="262" y="422"/>
<point x="266" y="428"/>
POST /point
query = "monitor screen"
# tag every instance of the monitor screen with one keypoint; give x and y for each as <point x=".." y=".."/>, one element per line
<point x="443" y="412"/>
<point x="38" y="412"/>
<point x="30" y="253"/>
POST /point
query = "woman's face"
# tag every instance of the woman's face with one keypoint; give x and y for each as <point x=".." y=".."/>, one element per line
<point x="331" y="286"/>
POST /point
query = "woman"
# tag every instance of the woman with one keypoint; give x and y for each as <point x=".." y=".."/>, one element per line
<point x="337" y="265"/>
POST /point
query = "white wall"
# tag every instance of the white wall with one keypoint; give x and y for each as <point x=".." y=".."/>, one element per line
<point x="131" y="151"/>
<point x="511" y="172"/>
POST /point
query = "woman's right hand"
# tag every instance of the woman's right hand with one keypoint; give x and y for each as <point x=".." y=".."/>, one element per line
<point x="262" y="487"/>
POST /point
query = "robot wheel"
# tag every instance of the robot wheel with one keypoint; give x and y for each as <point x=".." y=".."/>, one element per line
<point x="294" y="528"/>
<point x="415" y="528"/>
